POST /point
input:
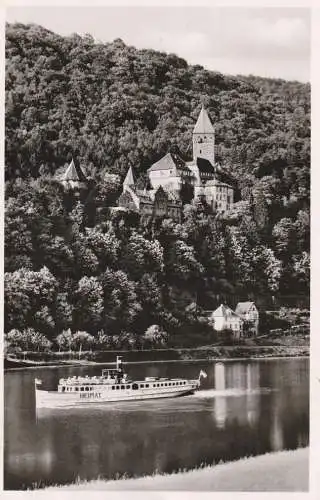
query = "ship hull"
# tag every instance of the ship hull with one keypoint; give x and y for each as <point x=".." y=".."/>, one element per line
<point x="55" y="399"/>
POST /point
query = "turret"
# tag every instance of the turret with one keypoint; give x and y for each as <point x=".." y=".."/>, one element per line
<point x="203" y="137"/>
<point x="129" y="180"/>
<point x="74" y="176"/>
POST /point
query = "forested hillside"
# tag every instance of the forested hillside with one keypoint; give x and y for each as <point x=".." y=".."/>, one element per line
<point x="70" y="263"/>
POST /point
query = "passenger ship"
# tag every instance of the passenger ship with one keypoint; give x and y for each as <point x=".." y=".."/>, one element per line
<point x="113" y="385"/>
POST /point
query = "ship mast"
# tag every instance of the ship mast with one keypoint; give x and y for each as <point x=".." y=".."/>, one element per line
<point x="119" y="362"/>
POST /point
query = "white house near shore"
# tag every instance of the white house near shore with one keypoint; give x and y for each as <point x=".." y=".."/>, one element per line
<point x="224" y="318"/>
<point x="250" y="314"/>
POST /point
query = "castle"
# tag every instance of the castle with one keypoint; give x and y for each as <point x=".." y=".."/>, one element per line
<point x="202" y="177"/>
<point x="169" y="174"/>
<point x="149" y="204"/>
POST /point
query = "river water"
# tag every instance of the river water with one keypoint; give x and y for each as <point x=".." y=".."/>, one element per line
<point x="243" y="408"/>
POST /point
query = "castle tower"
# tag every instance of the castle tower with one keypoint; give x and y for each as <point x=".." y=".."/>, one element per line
<point x="203" y="138"/>
<point x="74" y="176"/>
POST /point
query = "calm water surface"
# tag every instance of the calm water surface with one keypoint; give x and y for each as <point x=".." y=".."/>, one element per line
<point x="244" y="408"/>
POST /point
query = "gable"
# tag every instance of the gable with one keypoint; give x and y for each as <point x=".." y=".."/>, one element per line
<point x="244" y="308"/>
<point x="165" y="163"/>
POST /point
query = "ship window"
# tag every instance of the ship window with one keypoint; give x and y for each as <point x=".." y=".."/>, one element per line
<point x="122" y="387"/>
<point x="63" y="389"/>
<point x="117" y="387"/>
<point x="113" y="387"/>
<point x="86" y="388"/>
<point x="134" y="387"/>
<point x="166" y="384"/>
<point x="81" y="388"/>
<point x="141" y="385"/>
<point x="76" y="388"/>
<point x="147" y="385"/>
<point x="169" y="383"/>
<point x="128" y="386"/>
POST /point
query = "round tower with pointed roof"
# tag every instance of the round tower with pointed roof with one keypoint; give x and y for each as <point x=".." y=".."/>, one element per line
<point x="203" y="137"/>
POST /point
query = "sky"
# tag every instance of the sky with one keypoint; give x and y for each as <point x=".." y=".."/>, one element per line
<point x="269" y="42"/>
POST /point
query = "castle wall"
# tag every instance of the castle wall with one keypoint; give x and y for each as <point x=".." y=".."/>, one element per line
<point x="203" y="146"/>
<point x="165" y="179"/>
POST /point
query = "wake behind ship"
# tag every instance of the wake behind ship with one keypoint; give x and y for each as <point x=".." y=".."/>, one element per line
<point x="113" y="385"/>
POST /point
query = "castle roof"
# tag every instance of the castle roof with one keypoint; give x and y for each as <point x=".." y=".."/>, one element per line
<point x="203" y="125"/>
<point x="74" y="173"/>
<point x="169" y="162"/>
<point x="205" y="165"/>
<point x="129" y="179"/>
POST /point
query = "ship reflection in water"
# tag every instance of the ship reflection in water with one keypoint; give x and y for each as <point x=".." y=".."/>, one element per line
<point x="244" y="408"/>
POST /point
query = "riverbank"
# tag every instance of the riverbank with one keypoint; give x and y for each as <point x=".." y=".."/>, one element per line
<point x="280" y="471"/>
<point x="203" y="353"/>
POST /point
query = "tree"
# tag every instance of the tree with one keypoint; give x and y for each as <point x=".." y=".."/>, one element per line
<point x="121" y="305"/>
<point x="27" y="340"/>
<point x="65" y="340"/>
<point x="82" y="340"/>
<point x="155" y="336"/>
<point x="88" y="306"/>
<point x="301" y="266"/>
<point x="139" y="255"/>
<point x="26" y="294"/>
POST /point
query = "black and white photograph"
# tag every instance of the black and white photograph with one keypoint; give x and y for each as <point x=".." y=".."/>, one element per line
<point x="156" y="249"/>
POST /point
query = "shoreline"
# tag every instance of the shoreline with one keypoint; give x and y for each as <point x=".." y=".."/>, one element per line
<point x="286" y="470"/>
<point x="192" y="360"/>
<point x="203" y="353"/>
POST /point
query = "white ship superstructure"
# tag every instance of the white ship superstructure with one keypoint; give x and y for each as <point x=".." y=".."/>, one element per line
<point x="112" y="385"/>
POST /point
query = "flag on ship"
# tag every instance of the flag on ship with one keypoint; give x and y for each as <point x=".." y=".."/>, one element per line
<point x="203" y="374"/>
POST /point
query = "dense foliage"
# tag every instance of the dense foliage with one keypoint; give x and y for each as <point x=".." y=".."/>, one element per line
<point x="72" y="264"/>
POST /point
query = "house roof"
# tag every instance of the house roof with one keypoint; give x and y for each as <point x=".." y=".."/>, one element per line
<point x="169" y="162"/>
<point x="243" y="307"/>
<point x="74" y="173"/>
<point x="203" y="125"/>
<point x="225" y="312"/>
